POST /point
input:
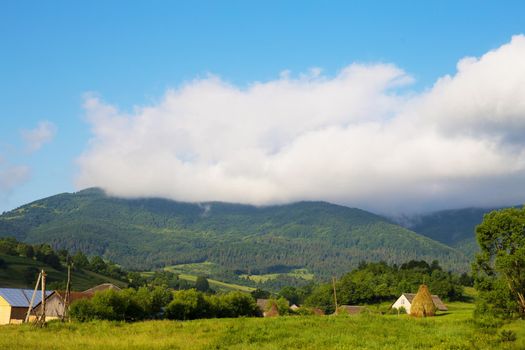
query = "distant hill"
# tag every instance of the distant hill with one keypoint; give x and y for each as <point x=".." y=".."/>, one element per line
<point x="146" y="233"/>
<point x="455" y="228"/>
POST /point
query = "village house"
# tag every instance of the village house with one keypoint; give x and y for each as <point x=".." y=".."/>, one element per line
<point x="349" y="309"/>
<point x="405" y="301"/>
<point x="102" y="287"/>
<point x="14" y="304"/>
<point x="56" y="303"/>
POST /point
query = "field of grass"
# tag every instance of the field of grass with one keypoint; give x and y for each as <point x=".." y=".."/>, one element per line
<point x="452" y="330"/>
<point x="297" y="273"/>
<point x="189" y="272"/>
<point x="14" y="275"/>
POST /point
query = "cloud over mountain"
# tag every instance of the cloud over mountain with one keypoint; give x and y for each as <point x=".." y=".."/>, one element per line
<point x="360" y="138"/>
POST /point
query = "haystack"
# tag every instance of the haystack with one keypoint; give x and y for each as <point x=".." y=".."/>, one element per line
<point x="272" y="312"/>
<point x="423" y="305"/>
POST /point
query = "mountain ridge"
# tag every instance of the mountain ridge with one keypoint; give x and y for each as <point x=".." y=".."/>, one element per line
<point x="144" y="233"/>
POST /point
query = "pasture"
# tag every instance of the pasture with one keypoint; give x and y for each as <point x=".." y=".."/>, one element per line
<point x="452" y="330"/>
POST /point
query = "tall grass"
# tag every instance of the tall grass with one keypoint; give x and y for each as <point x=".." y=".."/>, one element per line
<point x="452" y="330"/>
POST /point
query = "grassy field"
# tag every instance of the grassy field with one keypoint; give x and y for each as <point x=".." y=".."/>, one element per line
<point x="298" y="273"/>
<point x="189" y="272"/>
<point x="452" y="330"/>
<point x="14" y="275"/>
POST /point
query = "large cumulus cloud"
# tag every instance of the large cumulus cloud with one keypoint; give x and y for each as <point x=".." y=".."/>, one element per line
<point x="361" y="138"/>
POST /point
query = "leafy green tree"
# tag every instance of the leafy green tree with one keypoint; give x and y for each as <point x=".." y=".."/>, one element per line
<point x="8" y="246"/>
<point x="25" y="250"/>
<point x="233" y="304"/>
<point x="501" y="262"/>
<point x="30" y="275"/>
<point x="80" y="261"/>
<point x="260" y="294"/>
<point x="82" y="310"/>
<point x="283" y="306"/>
<point x="291" y="294"/>
<point x="202" y="284"/>
<point x="97" y="264"/>
<point x="188" y="305"/>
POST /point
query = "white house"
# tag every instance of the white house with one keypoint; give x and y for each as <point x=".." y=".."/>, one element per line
<point x="405" y="301"/>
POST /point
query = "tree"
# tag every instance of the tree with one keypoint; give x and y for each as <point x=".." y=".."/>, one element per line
<point x="261" y="294"/>
<point x="187" y="305"/>
<point x="97" y="264"/>
<point x="202" y="284"/>
<point x="501" y="262"/>
<point x="3" y="264"/>
<point x="80" y="261"/>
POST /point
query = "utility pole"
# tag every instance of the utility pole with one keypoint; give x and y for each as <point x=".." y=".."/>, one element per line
<point x="43" y="305"/>
<point x="65" y="316"/>
<point x="33" y="298"/>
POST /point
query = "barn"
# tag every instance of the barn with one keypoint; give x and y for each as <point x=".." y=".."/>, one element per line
<point x="405" y="301"/>
<point x="56" y="303"/>
<point x="14" y="304"/>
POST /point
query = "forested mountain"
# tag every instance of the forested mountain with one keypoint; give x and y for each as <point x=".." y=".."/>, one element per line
<point x="148" y="233"/>
<point x="455" y="228"/>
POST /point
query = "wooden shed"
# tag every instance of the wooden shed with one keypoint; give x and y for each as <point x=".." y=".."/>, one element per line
<point x="56" y="303"/>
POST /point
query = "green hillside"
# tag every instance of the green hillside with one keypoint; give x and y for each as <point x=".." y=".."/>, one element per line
<point x="150" y="233"/>
<point x="21" y="272"/>
<point x="455" y="228"/>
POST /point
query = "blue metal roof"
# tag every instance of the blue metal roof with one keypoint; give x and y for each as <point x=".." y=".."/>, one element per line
<point x="21" y="297"/>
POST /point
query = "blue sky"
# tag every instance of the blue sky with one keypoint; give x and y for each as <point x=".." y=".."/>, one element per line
<point x="129" y="53"/>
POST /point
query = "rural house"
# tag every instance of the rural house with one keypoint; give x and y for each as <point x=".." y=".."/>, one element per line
<point x="56" y="303"/>
<point x="349" y="309"/>
<point x="14" y="304"/>
<point x="405" y="301"/>
<point x="102" y="287"/>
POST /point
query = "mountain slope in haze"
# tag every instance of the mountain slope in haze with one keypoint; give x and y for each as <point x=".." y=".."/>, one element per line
<point x="145" y="233"/>
<point x="455" y="228"/>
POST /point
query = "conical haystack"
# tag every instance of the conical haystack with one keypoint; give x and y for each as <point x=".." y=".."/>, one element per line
<point x="423" y="305"/>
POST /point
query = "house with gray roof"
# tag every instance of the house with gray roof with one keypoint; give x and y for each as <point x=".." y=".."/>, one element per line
<point x="14" y="303"/>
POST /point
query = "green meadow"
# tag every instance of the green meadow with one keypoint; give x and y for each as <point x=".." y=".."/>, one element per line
<point x="454" y="329"/>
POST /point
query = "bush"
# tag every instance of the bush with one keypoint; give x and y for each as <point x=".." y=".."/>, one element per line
<point x="202" y="284"/>
<point x="507" y="336"/>
<point x="82" y="311"/>
<point x="127" y="305"/>
<point x="282" y="305"/>
<point x="233" y="304"/>
<point x="3" y="264"/>
<point x="188" y="305"/>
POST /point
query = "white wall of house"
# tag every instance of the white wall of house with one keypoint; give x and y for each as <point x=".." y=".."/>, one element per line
<point x="402" y="302"/>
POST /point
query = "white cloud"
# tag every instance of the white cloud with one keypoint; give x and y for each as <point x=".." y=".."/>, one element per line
<point x="357" y="138"/>
<point x="37" y="137"/>
<point x="11" y="176"/>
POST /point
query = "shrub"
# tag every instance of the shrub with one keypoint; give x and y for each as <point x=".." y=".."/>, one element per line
<point x="3" y="264"/>
<point x="281" y="305"/>
<point x="188" y="305"/>
<point x="233" y="304"/>
<point x="82" y="311"/>
<point x="507" y="336"/>
<point x="202" y="284"/>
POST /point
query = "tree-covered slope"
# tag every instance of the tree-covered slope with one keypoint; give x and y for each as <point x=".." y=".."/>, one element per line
<point x="455" y="228"/>
<point x="146" y="233"/>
